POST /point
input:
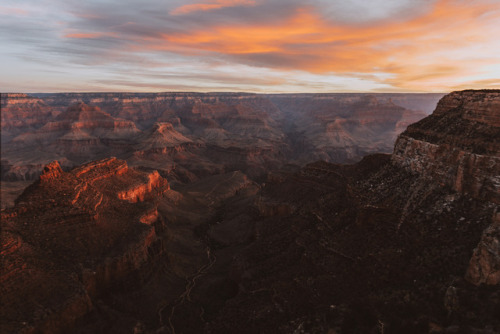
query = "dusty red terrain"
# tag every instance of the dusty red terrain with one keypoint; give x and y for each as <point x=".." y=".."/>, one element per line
<point x="401" y="243"/>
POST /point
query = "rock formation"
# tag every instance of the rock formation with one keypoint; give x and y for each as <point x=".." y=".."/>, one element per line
<point x="457" y="145"/>
<point x="484" y="266"/>
<point x="76" y="135"/>
<point x="78" y="129"/>
<point x="72" y="236"/>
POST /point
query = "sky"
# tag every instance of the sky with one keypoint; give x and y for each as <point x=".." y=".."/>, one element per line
<point x="263" y="46"/>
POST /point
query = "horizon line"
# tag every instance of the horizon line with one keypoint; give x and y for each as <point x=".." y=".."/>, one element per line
<point x="242" y="92"/>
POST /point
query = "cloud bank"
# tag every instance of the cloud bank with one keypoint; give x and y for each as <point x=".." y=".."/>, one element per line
<point x="250" y="45"/>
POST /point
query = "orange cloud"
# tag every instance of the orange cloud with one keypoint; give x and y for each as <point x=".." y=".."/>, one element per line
<point x="210" y="6"/>
<point x="429" y="51"/>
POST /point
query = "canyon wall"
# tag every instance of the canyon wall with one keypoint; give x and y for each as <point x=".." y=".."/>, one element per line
<point x="458" y="145"/>
<point x="200" y="134"/>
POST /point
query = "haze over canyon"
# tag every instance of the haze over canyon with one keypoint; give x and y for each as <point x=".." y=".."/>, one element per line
<point x="186" y="136"/>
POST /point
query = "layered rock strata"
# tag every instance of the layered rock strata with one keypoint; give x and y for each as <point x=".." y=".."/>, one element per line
<point x="458" y="145"/>
<point x="72" y="236"/>
<point x="200" y="133"/>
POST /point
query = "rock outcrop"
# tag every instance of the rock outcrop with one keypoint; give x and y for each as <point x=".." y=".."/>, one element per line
<point x="484" y="266"/>
<point x="71" y="237"/>
<point x="457" y="145"/>
<point x="153" y="185"/>
<point x="51" y="172"/>
<point x="476" y="106"/>
<point x="162" y="136"/>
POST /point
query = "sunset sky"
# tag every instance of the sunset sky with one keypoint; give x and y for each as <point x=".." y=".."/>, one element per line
<point x="249" y="45"/>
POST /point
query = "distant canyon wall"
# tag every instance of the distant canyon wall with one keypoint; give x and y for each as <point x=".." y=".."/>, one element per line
<point x="199" y="134"/>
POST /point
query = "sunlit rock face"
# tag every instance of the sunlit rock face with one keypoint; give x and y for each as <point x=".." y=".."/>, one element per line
<point x="138" y="192"/>
<point x="72" y="236"/>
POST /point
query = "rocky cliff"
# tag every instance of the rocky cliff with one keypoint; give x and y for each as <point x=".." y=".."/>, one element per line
<point x="458" y="145"/>
<point x="73" y="236"/>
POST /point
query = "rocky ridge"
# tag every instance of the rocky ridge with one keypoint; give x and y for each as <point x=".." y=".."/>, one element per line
<point x="72" y="236"/>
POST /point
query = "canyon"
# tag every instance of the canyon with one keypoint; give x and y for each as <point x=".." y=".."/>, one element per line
<point x="238" y="213"/>
<point x="186" y="136"/>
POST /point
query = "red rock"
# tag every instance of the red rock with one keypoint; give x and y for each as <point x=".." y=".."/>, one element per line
<point x="378" y="244"/>
<point x="155" y="184"/>
<point x="51" y="172"/>
<point x="72" y="224"/>
<point x="478" y="106"/>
